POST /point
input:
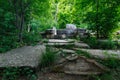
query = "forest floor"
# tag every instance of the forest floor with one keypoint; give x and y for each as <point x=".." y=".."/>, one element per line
<point x="60" y="76"/>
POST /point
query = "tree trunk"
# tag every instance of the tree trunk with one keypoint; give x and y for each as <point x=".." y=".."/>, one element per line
<point x="21" y="22"/>
<point x="20" y="7"/>
<point x="97" y="18"/>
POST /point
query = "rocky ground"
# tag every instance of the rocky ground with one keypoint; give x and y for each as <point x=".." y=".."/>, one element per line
<point x="73" y="67"/>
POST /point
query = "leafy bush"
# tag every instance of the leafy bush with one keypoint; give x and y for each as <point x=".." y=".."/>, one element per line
<point x="14" y="73"/>
<point x="119" y="45"/>
<point x="114" y="65"/>
<point x="96" y="44"/>
<point x="8" y="42"/>
<point x="92" y="42"/>
<point x="8" y="31"/>
<point x="31" y="37"/>
<point x="10" y="74"/>
<point x="107" y="45"/>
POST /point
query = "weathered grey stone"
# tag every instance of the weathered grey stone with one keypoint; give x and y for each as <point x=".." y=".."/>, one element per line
<point x="102" y="53"/>
<point x="69" y="54"/>
<point x="81" y="66"/>
<point x="60" y="40"/>
<point x="69" y="51"/>
<point x="81" y="45"/>
<point x="53" y="42"/>
<point x="24" y="56"/>
<point x="64" y="55"/>
<point x="72" y="57"/>
<point x="71" y="26"/>
<point x="59" y="44"/>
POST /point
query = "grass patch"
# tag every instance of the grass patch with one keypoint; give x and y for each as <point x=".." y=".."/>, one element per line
<point x="47" y="58"/>
<point x="84" y="53"/>
<point x="101" y="44"/>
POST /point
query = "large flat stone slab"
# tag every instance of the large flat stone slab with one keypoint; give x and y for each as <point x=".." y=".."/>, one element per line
<point x="103" y="53"/>
<point x="60" y="42"/>
<point x="24" y="56"/>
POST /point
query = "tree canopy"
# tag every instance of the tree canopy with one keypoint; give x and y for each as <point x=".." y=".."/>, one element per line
<point x="21" y="21"/>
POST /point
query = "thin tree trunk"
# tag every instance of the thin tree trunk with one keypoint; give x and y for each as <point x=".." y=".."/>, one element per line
<point x="97" y="26"/>
<point x="21" y="22"/>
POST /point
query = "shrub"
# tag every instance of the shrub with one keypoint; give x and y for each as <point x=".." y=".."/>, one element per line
<point x="14" y="73"/>
<point x="95" y="44"/>
<point x="8" y="42"/>
<point x="107" y="45"/>
<point x="10" y="74"/>
<point x="92" y="42"/>
<point x="84" y="53"/>
<point x="31" y="37"/>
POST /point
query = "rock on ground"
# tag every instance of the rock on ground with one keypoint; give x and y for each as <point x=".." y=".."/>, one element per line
<point x="24" y="56"/>
<point x="103" y="53"/>
<point x="81" y="45"/>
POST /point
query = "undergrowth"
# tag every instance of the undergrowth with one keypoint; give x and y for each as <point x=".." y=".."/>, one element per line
<point x="14" y="73"/>
<point x="48" y="58"/>
<point x="94" y="43"/>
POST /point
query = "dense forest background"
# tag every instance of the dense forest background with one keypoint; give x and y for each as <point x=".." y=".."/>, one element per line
<point x="21" y="21"/>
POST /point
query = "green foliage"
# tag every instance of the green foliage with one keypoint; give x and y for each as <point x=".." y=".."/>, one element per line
<point x="30" y="73"/>
<point x="6" y="45"/>
<point x="115" y="35"/>
<point x="10" y="74"/>
<point x="91" y="41"/>
<point x="108" y="45"/>
<point x="106" y="76"/>
<point x="96" y="44"/>
<point x="31" y="38"/>
<point x="47" y="59"/>
<point x="43" y="14"/>
<point x="8" y="32"/>
<point x="69" y="46"/>
<point x="84" y="53"/>
<point x="112" y="63"/>
<point x="14" y="73"/>
<point x="99" y="15"/>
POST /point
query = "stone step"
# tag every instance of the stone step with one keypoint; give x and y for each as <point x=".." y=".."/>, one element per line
<point x="60" y="41"/>
<point x="81" y="45"/>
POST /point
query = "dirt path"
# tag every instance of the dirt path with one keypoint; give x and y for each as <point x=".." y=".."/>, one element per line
<point x="60" y="76"/>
